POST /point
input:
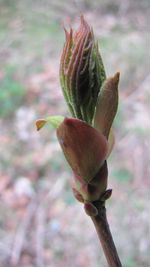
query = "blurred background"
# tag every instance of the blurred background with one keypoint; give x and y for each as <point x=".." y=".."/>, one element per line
<point x="41" y="224"/>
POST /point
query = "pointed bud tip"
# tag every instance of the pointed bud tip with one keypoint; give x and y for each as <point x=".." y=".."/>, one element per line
<point x="66" y="32"/>
<point x="116" y="77"/>
<point x="82" y="19"/>
<point x="84" y="23"/>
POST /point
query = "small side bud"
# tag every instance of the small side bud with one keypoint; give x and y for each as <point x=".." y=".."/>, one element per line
<point x="107" y="105"/>
<point x="106" y="195"/>
<point x="99" y="183"/>
<point x="90" y="209"/>
<point x="96" y="188"/>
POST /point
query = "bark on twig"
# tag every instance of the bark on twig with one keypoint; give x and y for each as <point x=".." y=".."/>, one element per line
<point x="105" y="237"/>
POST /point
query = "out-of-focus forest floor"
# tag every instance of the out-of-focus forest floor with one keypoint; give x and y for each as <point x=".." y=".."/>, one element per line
<point x="41" y="224"/>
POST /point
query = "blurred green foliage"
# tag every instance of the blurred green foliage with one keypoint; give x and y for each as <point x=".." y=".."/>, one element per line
<point x="122" y="175"/>
<point x="130" y="262"/>
<point x="12" y="92"/>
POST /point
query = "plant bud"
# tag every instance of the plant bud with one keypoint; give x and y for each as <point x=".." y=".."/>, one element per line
<point x="84" y="147"/>
<point x="77" y="195"/>
<point x="107" y="105"/>
<point x="90" y="209"/>
<point x="96" y="188"/>
<point x="81" y="72"/>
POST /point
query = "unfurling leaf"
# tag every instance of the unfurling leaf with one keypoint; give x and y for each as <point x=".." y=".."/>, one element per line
<point x="40" y="124"/>
<point x="81" y="72"/>
<point x="53" y="121"/>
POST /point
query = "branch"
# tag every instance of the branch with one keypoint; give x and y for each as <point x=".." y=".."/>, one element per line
<point x="105" y="237"/>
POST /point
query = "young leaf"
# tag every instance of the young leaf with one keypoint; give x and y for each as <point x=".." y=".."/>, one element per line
<point x="53" y="121"/>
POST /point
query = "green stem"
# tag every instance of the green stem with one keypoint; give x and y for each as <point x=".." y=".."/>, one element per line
<point x="105" y="237"/>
